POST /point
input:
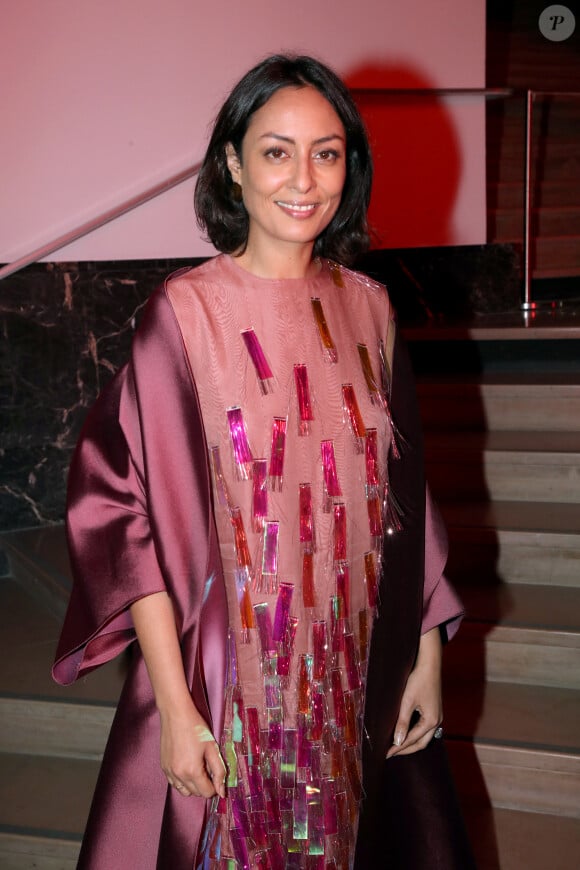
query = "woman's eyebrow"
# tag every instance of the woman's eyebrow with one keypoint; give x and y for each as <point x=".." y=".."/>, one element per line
<point x="291" y="141"/>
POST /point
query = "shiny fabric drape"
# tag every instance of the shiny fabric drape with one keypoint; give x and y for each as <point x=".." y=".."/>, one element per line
<point x="140" y="521"/>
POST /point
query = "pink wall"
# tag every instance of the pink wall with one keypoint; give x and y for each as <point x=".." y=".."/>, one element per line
<point x="104" y="100"/>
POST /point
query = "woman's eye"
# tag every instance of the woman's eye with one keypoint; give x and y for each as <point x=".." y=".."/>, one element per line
<point x="276" y="153"/>
<point x="327" y="156"/>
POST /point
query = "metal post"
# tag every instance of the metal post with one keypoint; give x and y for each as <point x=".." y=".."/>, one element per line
<point x="527" y="304"/>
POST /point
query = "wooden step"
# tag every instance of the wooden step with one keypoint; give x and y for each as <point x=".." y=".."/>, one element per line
<point x="44" y="806"/>
<point x="499" y="403"/>
<point x="513" y="840"/>
<point x="551" y="256"/>
<point x="39" y="560"/>
<point x="523" y="605"/>
<point x="536" y="657"/>
<point x="514" y="542"/>
<point x="54" y="727"/>
<point x="564" y="168"/>
<point x="510" y="194"/>
<point x="545" y="221"/>
<point x="547" y="153"/>
<point x="519" y="633"/>
<point x="28" y="638"/>
<point x="24" y="850"/>
<point x="513" y="108"/>
<point x="506" y="465"/>
<point x="559" y="123"/>
<point x="518" y="744"/>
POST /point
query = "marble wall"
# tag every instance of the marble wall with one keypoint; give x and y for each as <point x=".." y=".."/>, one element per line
<point x="65" y="328"/>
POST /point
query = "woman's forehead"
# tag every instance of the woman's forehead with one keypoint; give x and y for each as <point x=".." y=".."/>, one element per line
<point x="291" y="112"/>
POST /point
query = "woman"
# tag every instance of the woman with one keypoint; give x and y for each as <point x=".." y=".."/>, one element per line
<point x="229" y="504"/>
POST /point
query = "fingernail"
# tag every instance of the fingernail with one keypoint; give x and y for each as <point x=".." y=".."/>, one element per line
<point x="399" y="737"/>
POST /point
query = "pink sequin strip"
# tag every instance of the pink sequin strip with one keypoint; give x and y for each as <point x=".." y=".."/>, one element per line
<point x="351" y="663"/>
<point x="240" y="444"/>
<point x="329" y="807"/>
<point x="339" y="532"/>
<point x="245" y="604"/>
<point x="282" y="615"/>
<point x="243" y="558"/>
<point x="287" y="646"/>
<point x="386" y="377"/>
<point x="264" y="625"/>
<point x="278" y="449"/>
<point x="336" y="273"/>
<point x="343" y="587"/>
<point x="266" y="576"/>
<point x="258" y="357"/>
<point x="320" y="645"/>
<point x="395" y="450"/>
<point x="259" y="493"/>
<point x="375" y="518"/>
<point x="305" y="413"/>
<point x="308" y="579"/>
<point x="371" y="579"/>
<point x="354" y="416"/>
<point x="363" y="634"/>
<point x="375" y="394"/>
<point x="306" y="518"/>
<point x="253" y="736"/>
<point x="325" y="337"/>
<point x="372" y="459"/>
<point x="393" y="511"/>
<point x="304" y="683"/>
<point x="331" y="484"/>
<point x="338" y="698"/>
<point x="337" y="623"/>
<point x="219" y="479"/>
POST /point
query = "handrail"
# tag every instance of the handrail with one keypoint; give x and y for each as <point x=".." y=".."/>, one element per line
<point x="100" y="221"/>
<point x="527" y="243"/>
<point x="140" y="199"/>
<point x="527" y="303"/>
<point x="438" y="92"/>
<point x="174" y="180"/>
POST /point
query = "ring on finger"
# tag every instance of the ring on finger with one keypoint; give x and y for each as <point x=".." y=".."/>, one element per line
<point x="438" y="733"/>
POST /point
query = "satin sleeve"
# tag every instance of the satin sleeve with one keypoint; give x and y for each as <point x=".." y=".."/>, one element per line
<point x="111" y="548"/>
<point x="441" y="604"/>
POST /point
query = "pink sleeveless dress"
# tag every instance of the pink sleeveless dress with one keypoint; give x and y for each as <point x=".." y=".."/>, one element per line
<point x="292" y="377"/>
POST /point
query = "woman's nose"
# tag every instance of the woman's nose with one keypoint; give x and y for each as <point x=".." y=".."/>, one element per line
<point x="302" y="175"/>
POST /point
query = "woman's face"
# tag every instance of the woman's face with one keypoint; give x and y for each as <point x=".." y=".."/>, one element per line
<point x="292" y="168"/>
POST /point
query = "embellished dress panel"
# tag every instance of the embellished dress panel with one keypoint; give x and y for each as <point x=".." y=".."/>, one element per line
<point x="292" y="377"/>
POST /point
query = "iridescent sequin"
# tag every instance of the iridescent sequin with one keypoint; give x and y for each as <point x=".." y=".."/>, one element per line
<point x="258" y="357"/>
<point x="305" y="412"/>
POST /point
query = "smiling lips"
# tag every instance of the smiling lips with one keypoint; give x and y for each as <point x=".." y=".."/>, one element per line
<point x="296" y="209"/>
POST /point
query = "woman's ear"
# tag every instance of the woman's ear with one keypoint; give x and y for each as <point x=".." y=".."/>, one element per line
<point x="233" y="162"/>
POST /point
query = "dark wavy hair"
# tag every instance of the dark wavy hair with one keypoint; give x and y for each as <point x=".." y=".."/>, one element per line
<point x="224" y="220"/>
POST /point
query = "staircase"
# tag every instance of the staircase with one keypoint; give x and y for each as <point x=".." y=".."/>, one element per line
<point x="555" y="181"/>
<point x="51" y="738"/>
<point x="503" y="459"/>
<point x="518" y="56"/>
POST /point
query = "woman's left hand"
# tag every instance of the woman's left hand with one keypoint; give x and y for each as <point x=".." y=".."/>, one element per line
<point x="422" y="695"/>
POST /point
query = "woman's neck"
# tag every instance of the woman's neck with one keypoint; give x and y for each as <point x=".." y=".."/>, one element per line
<point x="269" y="262"/>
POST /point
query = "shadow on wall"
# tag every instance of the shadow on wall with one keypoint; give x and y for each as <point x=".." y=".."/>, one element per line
<point x="416" y="155"/>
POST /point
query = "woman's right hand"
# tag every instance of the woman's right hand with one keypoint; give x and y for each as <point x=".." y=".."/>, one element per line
<point x="190" y="756"/>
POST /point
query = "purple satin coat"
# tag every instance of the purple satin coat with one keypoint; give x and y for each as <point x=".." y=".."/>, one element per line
<point x="140" y="521"/>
